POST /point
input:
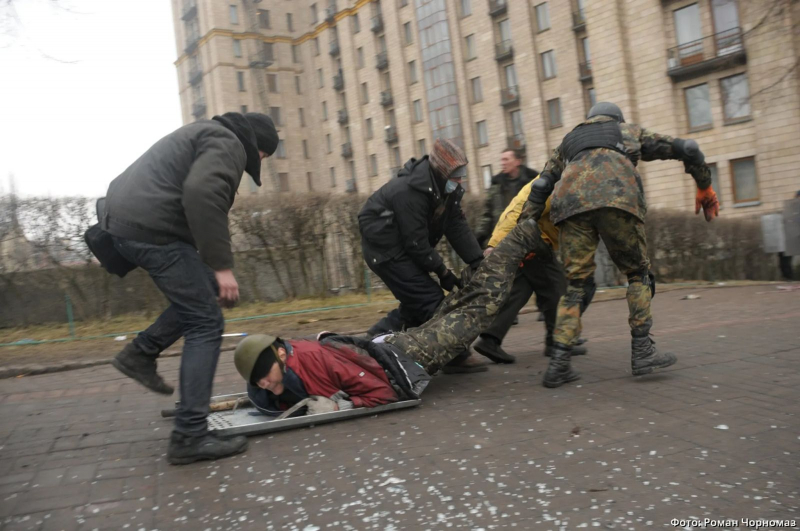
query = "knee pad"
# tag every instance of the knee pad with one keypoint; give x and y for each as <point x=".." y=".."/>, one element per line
<point x="575" y="292"/>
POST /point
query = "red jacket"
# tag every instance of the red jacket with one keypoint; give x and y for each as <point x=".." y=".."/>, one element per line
<point x="325" y="369"/>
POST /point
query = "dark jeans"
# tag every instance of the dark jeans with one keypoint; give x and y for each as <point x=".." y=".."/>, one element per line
<point x="544" y="277"/>
<point x="418" y="293"/>
<point x="194" y="313"/>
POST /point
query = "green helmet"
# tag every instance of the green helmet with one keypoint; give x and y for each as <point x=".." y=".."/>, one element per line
<point x="247" y="352"/>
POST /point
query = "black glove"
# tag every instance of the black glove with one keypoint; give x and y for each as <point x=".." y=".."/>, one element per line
<point x="449" y="280"/>
<point x="531" y="210"/>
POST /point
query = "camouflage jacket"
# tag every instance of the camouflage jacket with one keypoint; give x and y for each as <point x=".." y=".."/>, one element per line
<point x="498" y="196"/>
<point x="598" y="178"/>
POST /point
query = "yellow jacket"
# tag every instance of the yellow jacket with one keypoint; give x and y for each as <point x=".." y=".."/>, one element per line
<point x="508" y="219"/>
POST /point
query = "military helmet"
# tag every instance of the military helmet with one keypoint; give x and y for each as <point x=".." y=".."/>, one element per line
<point x="248" y="351"/>
<point x="604" y="108"/>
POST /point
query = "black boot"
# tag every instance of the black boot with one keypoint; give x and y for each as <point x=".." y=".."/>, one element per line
<point x="135" y="364"/>
<point x="645" y="358"/>
<point x="490" y="347"/>
<point x="559" y="371"/>
<point x="185" y="449"/>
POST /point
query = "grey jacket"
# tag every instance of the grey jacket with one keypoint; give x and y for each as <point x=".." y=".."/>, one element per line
<point x="181" y="189"/>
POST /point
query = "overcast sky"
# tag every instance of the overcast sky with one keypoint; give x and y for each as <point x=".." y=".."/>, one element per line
<point x="70" y="128"/>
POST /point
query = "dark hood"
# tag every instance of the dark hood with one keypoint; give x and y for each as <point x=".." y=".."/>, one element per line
<point x="239" y="125"/>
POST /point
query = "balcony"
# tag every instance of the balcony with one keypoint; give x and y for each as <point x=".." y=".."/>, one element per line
<point x="386" y="98"/>
<point x="261" y="59"/>
<point x="509" y="96"/>
<point x="585" y="71"/>
<point x="391" y="134"/>
<point x="189" y="10"/>
<point x="350" y="186"/>
<point x="578" y="21"/>
<point x="516" y="142"/>
<point x="192" y="41"/>
<point x="347" y="150"/>
<point x="342" y="117"/>
<point x="376" y="24"/>
<point x="382" y="61"/>
<point x="338" y="81"/>
<point x="503" y="50"/>
<point x="330" y="14"/>
<point x="199" y="108"/>
<point x="497" y="8"/>
<point x="334" y="50"/>
<point x="195" y="75"/>
<point x="722" y="50"/>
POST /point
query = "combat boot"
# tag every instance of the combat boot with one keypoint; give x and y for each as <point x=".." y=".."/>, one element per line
<point x="135" y="364"/>
<point x="645" y="358"/>
<point x="577" y="349"/>
<point x="185" y="449"/>
<point x="559" y="371"/>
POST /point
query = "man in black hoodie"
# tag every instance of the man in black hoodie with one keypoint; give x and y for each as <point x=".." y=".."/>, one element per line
<point x="168" y="214"/>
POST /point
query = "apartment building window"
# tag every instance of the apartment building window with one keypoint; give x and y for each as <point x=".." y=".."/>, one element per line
<point x="355" y="22"/>
<point x="587" y="53"/>
<point x="240" y="81"/>
<point x="234" y="14"/>
<point x="511" y="76"/>
<point x="316" y="45"/>
<point x="412" y="72"/>
<point x="542" y="17"/>
<point x="275" y="114"/>
<point x="295" y="53"/>
<point x="320" y="78"/>
<point x="243" y="109"/>
<point x="591" y="96"/>
<point x="417" y="111"/>
<point x="689" y="32"/>
<point x="302" y="116"/>
<point x="504" y="27"/>
<point x="333" y="177"/>
<point x="310" y="181"/>
<point x="483" y="134"/>
<point x="516" y="125"/>
<point x="237" y="48"/>
<point x="373" y="165"/>
<point x="698" y="107"/>
<point x="364" y="93"/>
<point x="289" y="22"/>
<point x="324" y="110"/>
<point x="486" y="171"/>
<point x="715" y="181"/>
<point x="466" y="8"/>
<point x="328" y="143"/>
<point x="407" y="33"/>
<point x="403" y="3"/>
<point x="280" y="151"/>
<point x="745" y="181"/>
<point x="269" y="51"/>
<point x="263" y="19"/>
<point x="360" y="57"/>
<point x="305" y="148"/>
<point x="370" y="133"/>
<point x="283" y="181"/>
<point x="477" y="89"/>
<point x="398" y="161"/>
<point x="298" y="88"/>
<point x="353" y="173"/>
<point x="421" y="147"/>
<point x="735" y="98"/>
<point x="549" y="64"/>
<point x="272" y="83"/>
<point x="314" y="16"/>
<point x="554" y="112"/>
<point x="470" y="44"/>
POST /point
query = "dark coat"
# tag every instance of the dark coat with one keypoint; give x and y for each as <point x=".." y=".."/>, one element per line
<point x="409" y="214"/>
<point x="498" y="197"/>
<point x="181" y="189"/>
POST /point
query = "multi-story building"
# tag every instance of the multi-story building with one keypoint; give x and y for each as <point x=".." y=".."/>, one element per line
<point x="358" y="87"/>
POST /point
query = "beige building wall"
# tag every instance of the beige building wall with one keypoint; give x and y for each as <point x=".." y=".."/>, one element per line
<point x="629" y="44"/>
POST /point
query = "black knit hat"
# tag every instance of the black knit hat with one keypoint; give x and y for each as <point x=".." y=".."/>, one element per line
<point x="266" y="134"/>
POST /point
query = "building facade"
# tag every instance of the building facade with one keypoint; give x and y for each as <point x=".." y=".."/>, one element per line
<point x="358" y="87"/>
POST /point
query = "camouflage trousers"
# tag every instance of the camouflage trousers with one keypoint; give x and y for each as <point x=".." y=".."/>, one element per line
<point x="463" y="314"/>
<point x="624" y="236"/>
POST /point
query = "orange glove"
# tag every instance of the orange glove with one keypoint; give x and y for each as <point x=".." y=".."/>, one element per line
<point x="707" y="200"/>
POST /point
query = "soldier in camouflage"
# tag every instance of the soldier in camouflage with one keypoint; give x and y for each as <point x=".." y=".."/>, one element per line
<point x="599" y="194"/>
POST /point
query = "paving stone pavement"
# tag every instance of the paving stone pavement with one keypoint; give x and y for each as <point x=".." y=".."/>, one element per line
<point x="715" y="436"/>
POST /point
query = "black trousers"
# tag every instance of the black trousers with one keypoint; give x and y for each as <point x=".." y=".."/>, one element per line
<point x="418" y="293"/>
<point x="544" y="277"/>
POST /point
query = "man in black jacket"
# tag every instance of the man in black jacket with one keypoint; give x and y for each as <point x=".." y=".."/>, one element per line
<point x="168" y="214"/>
<point x="400" y="225"/>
